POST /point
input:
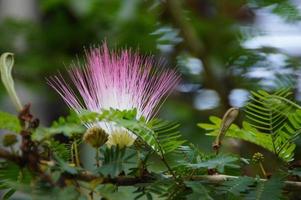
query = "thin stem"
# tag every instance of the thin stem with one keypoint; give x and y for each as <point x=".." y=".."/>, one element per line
<point x="91" y="195"/>
<point x="97" y="157"/>
<point x="72" y="154"/>
<point x="169" y="169"/>
<point x="12" y="150"/>
<point x="262" y="170"/>
<point x="76" y="154"/>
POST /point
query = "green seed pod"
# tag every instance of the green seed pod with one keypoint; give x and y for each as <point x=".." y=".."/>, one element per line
<point x="6" y="65"/>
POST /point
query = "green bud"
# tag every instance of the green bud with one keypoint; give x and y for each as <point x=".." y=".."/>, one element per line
<point x="257" y="157"/>
<point x="9" y="140"/>
<point x="96" y="137"/>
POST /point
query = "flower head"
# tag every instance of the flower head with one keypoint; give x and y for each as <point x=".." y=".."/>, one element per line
<point x="95" y="136"/>
<point x="120" y="80"/>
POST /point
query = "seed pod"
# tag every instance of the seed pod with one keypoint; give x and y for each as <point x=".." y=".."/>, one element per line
<point x="228" y="119"/>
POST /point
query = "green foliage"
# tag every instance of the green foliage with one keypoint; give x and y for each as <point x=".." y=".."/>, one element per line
<point x="116" y="160"/>
<point x="288" y="11"/>
<point x="274" y="123"/>
<point x="237" y="186"/>
<point x="247" y="133"/>
<point x="48" y="193"/>
<point x="62" y="150"/>
<point x="168" y="135"/>
<point x="271" y="189"/>
<point x="277" y="115"/>
<point x="112" y="192"/>
<point x="283" y="8"/>
<point x="109" y="191"/>
<point x="11" y="173"/>
<point x="9" y="122"/>
<point x="68" y="126"/>
<point x="218" y="162"/>
<point x="199" y="191"/>
<point x="8" y="194"/>
<point x="62" y="166"/>
<point x="296" y="172"/>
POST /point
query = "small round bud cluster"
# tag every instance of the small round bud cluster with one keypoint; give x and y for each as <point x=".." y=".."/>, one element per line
<point x="96" y="137"/>
<point x="257" y="157"/>
<point x="9" y="140"/>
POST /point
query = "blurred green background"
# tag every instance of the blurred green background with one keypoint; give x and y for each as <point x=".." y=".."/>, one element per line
<point x="224" y="49"/>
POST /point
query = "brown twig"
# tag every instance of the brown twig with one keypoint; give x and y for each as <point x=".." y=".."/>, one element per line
<point x="29" y="150"/>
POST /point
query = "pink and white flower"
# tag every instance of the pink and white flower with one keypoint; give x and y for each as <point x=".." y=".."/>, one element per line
<point x="120" y="80"/>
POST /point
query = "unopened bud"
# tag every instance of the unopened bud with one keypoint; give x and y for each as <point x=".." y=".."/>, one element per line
<point x="96" y="137"/>
<point x="121" y="138"/>
<point x="9" y="140"/>
<point x="257" y="157"/>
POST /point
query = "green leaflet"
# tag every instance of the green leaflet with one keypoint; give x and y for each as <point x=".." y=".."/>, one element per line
<point x="9" y="122"/>
<point x="277" y="115"/>
<point x="11" y="175"/>
<point x="111" y="192"/>
<point x="199" y="191"/>
<point x="69" y="126"/>
<point x="8" y="194"/>
<point x="237" y="186"/>
<point x="218" y="162"/>
<point x="167" y="134"/>
<point x="116" y="160"/>
<point x="270" y="189"/>
<point x="296" y="171"/>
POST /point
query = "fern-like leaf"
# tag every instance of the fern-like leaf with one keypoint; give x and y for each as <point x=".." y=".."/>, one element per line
<point x="237" y="186"/>
<point x="69" y="126"/>
<point x="11" y="174"/>
<point x="274" y="122"/>
<point x="114" y="161"/>
<point x="167" y="134"/>
<point x="247" y="133"/>
<point x="271" y="189"/>
<point x="218" y="162"/>
<point x="275" y="114"/>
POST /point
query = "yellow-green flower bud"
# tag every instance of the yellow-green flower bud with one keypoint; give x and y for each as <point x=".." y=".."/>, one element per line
<point x="122" y="138"/>
<point x="9" y="140"/>
<point x="96" y="137"/>
<point x="257" y="157"/>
